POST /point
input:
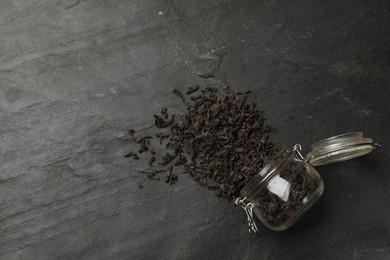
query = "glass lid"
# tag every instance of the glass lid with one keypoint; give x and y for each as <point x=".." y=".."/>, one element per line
<point x="340" y="148"/>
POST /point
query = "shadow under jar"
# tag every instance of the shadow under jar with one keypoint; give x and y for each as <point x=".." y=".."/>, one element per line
<point x="289" y="185"/>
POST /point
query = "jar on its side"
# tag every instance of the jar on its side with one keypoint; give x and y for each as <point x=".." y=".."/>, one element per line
<point x="283" y="191"/>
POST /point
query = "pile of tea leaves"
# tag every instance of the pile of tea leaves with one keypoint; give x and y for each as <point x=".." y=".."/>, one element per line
<point x="221" y="141"/>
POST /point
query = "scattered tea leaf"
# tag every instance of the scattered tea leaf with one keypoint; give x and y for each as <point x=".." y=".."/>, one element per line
<point x="192" y="89"/>
<point x="206" y="76"/>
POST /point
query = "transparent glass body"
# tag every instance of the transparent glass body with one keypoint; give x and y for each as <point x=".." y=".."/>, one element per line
<point x="283" y="191"/>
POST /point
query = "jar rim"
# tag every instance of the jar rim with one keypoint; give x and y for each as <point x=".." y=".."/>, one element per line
<point x="339" y="148"/>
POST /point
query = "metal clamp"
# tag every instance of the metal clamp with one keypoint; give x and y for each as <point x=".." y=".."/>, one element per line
<point x="248" y="207"/>
<point x="376" y="146"/>
<point x="297" y="151"/>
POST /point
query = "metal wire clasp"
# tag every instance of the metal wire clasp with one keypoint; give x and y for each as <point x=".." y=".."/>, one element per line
<point x="248" y="207"/>
<point x="297" y="151"/>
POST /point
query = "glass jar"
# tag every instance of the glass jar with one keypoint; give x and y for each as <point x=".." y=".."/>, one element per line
<point x="289" y="185"/>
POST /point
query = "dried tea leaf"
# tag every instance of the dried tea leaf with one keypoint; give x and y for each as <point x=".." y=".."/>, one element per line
<point x="179" y="94"/>
<point x="132" y="154"/>
<point x="192" y="89"/>
<point x="206" y="76"/>
<point x="162" y="136"/>
<point x="151" y="160"/>
<point x="159" y="122"/>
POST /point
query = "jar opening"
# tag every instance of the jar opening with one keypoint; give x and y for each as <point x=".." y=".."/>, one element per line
<point x="339" y="148"/>
<point x="341" y="155"/>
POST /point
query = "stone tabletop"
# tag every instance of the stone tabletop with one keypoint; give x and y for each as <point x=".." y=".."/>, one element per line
<point x="76" y="74"/>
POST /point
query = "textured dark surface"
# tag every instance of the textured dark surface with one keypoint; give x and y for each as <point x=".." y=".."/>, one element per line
<point x="74" y="75"/>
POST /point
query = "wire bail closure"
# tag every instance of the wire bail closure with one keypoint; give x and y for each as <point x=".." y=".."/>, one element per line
<point x="297" y="151"/>
<point x="248" y="207"/>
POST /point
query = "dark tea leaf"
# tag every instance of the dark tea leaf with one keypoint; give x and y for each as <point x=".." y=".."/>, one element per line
<point x="179" y="94"/>
<point x="133" y="155"/>
<point x="192" y="89"/>
<point x="206" y="76"/>
<point x="162" y="136"/>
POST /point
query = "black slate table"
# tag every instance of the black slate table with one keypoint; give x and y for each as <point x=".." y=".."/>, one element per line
<point x="75" y="75"/>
